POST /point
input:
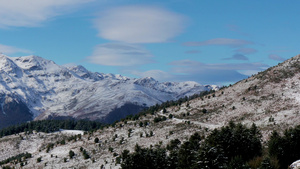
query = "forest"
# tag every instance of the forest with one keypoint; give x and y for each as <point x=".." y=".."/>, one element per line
<point x="234" y="147"/>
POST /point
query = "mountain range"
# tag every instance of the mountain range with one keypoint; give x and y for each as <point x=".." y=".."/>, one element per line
<point x="35" y="88"/>
<point x="269" y="99"/>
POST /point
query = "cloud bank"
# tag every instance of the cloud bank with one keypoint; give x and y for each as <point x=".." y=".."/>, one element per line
<point x="11" y="49"/>
<point x="139" y="24"/>
<point x="30" y="13"/>
<point x="276" y="57"/>
<point x="119" y="54"/>
<point x="185" y="70"/>
<point x="234" y="43"/>
<point x="246" y="51"/>
<point x="237" y="56"/>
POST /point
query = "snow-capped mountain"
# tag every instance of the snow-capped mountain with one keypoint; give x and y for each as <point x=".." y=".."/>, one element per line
<point x="35" y="88"/>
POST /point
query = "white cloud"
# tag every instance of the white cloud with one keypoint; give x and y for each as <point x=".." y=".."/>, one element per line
<point x="276" y="57"/>
<point x="10" y="50"/>
<point x="28" y="13"/>
<point x="192" y="52"/>
<point x="220" y="42"/>
<point x="248" y="72"/>
<point x="220" y="74"/>
<point x="237" y="56"/>
<point x="119" y="54"/>
<point x="156" y="74"/>
<point x="246" y="51"/>
<point x="139" y="24"/>
<point x="237" y="29"/>
<point x="214" y="73"/>
<point x="190" y="65"/>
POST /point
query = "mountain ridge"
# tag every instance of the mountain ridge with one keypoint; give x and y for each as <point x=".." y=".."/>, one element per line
<point x="52" y="91"/>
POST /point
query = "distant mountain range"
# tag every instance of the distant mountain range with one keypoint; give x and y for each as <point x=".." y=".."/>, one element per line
<point x="35" y="88"/>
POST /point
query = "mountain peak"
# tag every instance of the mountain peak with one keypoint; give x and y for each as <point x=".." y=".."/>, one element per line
<point x="7" y="65"/>
<point x="78" y="68"/>
<point x="33" y="62"/>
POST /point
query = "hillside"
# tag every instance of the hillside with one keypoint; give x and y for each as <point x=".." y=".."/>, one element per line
<point x="269" y="99"/>
<point x="35" y="88"/>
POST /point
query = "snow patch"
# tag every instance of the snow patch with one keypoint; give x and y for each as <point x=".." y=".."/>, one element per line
<point x="295" y="165"/>
<point x="72" y="132"/>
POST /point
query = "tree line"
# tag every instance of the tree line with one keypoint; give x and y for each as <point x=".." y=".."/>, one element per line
<point x="48" y="126"/>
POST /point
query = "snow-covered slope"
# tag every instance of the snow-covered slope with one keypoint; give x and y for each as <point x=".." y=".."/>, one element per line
<point x="50" y="91"/>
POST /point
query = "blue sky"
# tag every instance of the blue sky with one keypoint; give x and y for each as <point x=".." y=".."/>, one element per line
<point x="210" y="42"/>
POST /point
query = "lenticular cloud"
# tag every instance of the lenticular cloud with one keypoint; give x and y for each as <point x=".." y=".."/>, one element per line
<point x="29" y="13"/>
<point x="139" y="24"/>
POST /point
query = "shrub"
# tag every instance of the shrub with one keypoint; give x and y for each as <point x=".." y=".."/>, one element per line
<point x="151" y="133"/>
<point x="96" y="140"/>
<point x="141" y="124"/>
<point x="71" y="154"/>
<point x="49" y="147"/>
<point x="85" y="155"/>
<point x="39" y="159"/>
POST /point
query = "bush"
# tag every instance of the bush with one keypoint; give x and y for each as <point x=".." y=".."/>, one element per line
<point x="110" y="149"/>
<point x="158" y="119"/>
<point x="85" y="155"/>
<point x="96" y="140"/>
<point x="71" y="154"/>
<point x="164" y="110"/>
<point x="39" y="159"/>
<point x="141" y="124"/>
<point x="151" y="133"/>
<point x="63" y="142"/>
<point x="49" y="147"/>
